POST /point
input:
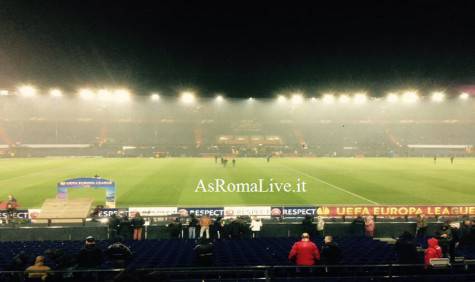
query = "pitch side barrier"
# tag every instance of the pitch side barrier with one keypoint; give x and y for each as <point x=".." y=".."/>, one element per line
<point x="284" y="213"/>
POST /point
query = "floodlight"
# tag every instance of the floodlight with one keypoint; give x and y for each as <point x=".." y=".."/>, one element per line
<point x="86" y="94"/>
<point x="4" y="93"/>
<point x="313" y="99"/>
<point x="360" y="98"/>
<point x="281" y="99"/>
<point x="188" y="97"/>
<point x="328" y="99"/>
<point x="344" y="99"/>
<point x="219" y="98"/>
<point x="392" y="98"/>
<point x="27" y="91"/>
<point x="438" y="97"/>
<point x="464" y="96"/>
<point x="155" y="97"/>
<point x="410" y="97"/>
<point x="250" y="99"/>
<point x="56" y="93"/>
<point x="296" y="99"/>
<point x="121" y="95"/>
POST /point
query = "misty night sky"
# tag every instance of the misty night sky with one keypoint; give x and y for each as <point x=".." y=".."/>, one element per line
<point x="238" y="48"/>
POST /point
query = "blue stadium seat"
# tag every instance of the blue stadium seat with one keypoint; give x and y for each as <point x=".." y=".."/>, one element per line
<point x="175" y="252"/>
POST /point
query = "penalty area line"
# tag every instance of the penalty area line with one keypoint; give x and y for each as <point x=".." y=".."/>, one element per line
<point x="334" y="186"/>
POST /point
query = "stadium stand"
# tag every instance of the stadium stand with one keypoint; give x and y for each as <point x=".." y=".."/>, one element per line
<point x="139" y="130"/>
<point x="364" y="259"/>
<point x="175" y="252"/>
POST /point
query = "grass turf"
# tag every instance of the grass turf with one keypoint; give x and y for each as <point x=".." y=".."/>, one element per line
<point x="172" y="182"/>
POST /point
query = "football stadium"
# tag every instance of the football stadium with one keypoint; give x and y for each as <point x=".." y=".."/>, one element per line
<point x="180" y="142"/>
<point x="376" y="153"/>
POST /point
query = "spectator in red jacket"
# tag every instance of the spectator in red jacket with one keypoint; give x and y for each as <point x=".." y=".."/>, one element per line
<point x="433" y="251"/>
<point x="305" y="252"/>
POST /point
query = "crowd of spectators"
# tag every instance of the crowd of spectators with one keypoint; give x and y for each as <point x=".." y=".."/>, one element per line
<point x="125" y="228"/>
<point x="303" y="253"/>
<point x="116" y="255"/>
<point x="217" y="228"/>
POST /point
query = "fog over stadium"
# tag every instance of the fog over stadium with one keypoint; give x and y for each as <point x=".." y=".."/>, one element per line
<point x="117" y="122"/>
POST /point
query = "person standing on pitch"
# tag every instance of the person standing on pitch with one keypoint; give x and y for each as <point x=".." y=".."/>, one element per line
<point x="205" y="222"/>
<point x="234" y="162"/>
<point x="137" y="224"/>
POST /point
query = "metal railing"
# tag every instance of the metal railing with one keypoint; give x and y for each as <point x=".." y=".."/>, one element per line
<point x="389" y="272"/>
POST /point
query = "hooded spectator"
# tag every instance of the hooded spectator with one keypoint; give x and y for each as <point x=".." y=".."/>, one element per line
<point x="204" y="253"/>
<point x="369" y="226"/>
<point x="137" y="224"/>
<point x="304" y="252"/>
<point x="406" y="249"/>
<point x="90" y="256"/>
<point x="331" y="253"/>
<point x="119" y="254"/>
<point x="433" y="251"/>
<point x="39" y="269"/>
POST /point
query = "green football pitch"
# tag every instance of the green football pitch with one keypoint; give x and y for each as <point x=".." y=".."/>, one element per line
<point x="174" y="181"/>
